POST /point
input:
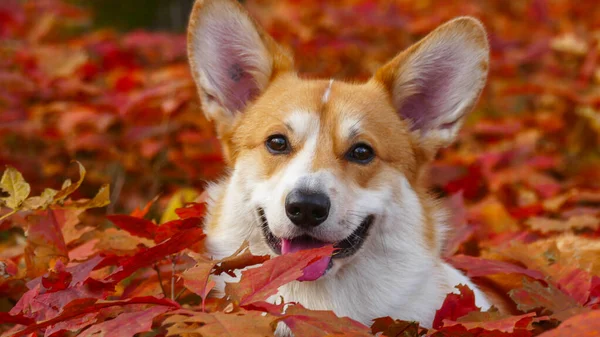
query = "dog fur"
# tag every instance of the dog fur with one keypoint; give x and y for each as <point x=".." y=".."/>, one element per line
<point x="412" y="106"/>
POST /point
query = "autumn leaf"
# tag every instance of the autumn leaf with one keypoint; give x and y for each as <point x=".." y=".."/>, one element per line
<point x="42" y="201"/>
<point x="257" y="284"/>
<point x="196" y="278"/>
<point x="69" y="187"/>
<point x="45" y="242"/>
<point x="18" y="189"/>
<point x="241" y="323"/>
<point x="584" y="324"/>
<point x="319" y="323"/>
<point x="482" y="323"/>
<point x="136" y="226"/>
<point x="548" y="298"/>
<point x="455" y="306"/>
<point x="476" y="267"/>
<point x="126" y="324"/>
<point x="148" y="257"/>
<point x="392" y="328"/>
<point x="83" y="306"/>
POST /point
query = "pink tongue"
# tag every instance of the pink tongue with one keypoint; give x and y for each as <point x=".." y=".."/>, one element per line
<point x="313" y="271"/>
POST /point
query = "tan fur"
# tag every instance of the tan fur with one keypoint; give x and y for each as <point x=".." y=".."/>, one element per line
<point x="401" y="154"/>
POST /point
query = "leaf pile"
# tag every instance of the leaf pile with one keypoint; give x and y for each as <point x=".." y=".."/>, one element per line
<point x="523" y="181"/>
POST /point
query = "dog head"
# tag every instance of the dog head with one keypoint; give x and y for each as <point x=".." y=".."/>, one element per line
<point x="324" y="161"/>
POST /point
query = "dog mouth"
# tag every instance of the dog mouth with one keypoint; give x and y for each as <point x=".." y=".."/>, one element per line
<point x="344" y="248"/>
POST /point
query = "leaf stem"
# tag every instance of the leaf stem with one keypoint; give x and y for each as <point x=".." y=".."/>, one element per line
<point x="173" y="261"/>
<point x="160" y="280"/>
<point x="8" y="214"/>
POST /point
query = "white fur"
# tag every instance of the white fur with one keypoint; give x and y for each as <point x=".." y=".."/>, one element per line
<point x="394" y="273"/>
<point x="327" y="92"/>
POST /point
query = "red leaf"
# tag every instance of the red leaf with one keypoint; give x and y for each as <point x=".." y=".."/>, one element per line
<point x="168" y="229"/>
<point x="477" y="266"/>
<point x="135" y="226"/>
<point x="74" y="324"/>
<point x="455" y="306"/>
<point x="258" y="284"/>
<point x="550" y="299"/>
<point x="320" y="323"/>
<point x="7" y="318"/>
<point x="45" y="242"/>
<point x="577" y="284"/>
<point x="84" y="306"/>
<point x="148" y="257"/>
<point x="140" y="213"/>
<point x="126" y="324"/>
<point x="312" y="323"/>
<point x="489" y="323"/>
<point x="392" y="328"/>
<point x="585" y="324"/>
<point x="57" y="279"/>
<point x="191" y="210"/>
<point x="241" y="259"/>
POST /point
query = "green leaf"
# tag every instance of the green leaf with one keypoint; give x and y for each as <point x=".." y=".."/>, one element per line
<point x="18" y="189"/>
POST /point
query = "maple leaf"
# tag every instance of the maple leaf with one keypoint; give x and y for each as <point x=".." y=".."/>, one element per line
<point x="240" y="323"/>
<point x="317" y="323"/>
<point x="259" y="283"/>
<point x="45" y="242"/>
<point x="196" y="278"/>
<point x="455" y="306"/>
<point x="42" y="201"/>
<point x="18" y="189"/>
<point x="476" y="266"/>
<point x="148" y="257"/>
<point x="393" y="328"/>
<point x="312" y="323"/>
<point x="126" y="324"/>
<point x="101" y="199"/>
<point x="584" y="324"/>
<point x="494" y="321"/>
<point x="136" y="226"/>
<point x="550" y="299"/>
<point x="191" y="210"/>
<point x="69" y="187"/>
<point x="84" y="306"/>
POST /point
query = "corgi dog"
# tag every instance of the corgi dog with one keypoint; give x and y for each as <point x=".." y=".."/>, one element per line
<point x="324" y="161"/>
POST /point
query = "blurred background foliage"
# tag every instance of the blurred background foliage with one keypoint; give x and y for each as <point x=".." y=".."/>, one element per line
<point x="106" y="82"/>
<point x="169" y="15"/>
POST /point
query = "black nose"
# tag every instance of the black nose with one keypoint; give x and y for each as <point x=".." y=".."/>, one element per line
<point x="307" y="209"/>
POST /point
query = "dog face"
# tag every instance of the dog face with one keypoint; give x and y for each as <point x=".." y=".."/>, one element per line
<point x="322" y="161"/>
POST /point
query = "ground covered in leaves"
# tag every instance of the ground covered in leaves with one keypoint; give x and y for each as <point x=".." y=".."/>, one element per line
<point x="120" y="252"/>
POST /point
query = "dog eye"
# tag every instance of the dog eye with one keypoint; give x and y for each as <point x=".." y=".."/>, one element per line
<point x="360" y="153"/>
<point x="277" y="144"/>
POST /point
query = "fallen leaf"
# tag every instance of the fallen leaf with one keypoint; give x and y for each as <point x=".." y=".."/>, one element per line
<point x="584" y="324"/>
<point x="455" y="306"/>
<point x="549" y="299"/>
<point x="18" y="189"/>
<point x="126" y="324"/>
<point x="257" y="284"/>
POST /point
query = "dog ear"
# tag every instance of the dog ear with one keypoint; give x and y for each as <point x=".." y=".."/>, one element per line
<point x="437" y="81"/>
<point x="232" y="59"/>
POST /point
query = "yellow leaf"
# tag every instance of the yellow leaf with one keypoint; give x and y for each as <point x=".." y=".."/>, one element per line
<point x="101" y="199"/>
<point x="69" y="188"/>
<point x="178" y="200"/>
<point x="18" y="189"/>
<point x="42" y="201"/>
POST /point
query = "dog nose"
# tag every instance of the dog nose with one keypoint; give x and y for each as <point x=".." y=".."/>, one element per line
<point x="307" y="209"/>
